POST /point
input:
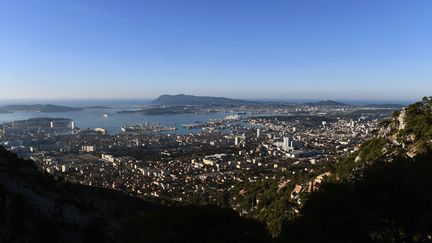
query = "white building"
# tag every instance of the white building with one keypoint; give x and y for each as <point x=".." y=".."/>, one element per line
<point x="286" y="144"/>
<point x="88" y="148"/>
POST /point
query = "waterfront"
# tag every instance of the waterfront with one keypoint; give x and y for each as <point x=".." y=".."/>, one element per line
<point x="94" y="118"/>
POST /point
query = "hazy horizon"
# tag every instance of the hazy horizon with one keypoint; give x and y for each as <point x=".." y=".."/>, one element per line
<point x="121" y="101"/>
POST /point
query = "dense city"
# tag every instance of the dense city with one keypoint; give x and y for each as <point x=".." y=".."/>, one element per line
<point x="250" y="144"/>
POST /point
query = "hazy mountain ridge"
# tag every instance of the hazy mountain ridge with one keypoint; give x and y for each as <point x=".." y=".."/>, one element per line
<point x="38" y="108"/>
<point x="385" y="106"/>
<point x="184" y="100"/>
<point x="327" y="103"/>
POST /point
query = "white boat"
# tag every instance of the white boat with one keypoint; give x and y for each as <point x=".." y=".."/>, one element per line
<point x="105" y="115"/>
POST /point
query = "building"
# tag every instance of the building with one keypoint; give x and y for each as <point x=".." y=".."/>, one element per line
<point x="87" y="148"/>
<point x="286" y="144"/>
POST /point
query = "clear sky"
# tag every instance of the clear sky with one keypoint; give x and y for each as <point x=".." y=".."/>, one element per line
<point x="287" y="49"/>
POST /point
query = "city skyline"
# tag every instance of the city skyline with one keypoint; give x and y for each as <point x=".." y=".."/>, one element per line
<point x="342" y="50"/>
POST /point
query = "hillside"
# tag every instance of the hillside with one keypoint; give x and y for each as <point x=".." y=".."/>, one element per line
<point x="407" y="134"/>
<point x="381" y="193"/>
<point x="184" y="100"/>
<point x="386" y="202"/>
<point x="36" y="208"/>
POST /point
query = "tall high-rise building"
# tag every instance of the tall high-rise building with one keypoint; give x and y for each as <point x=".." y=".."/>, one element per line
<point x="286" y="143"/>
<point x="258" y="133"/>
<point x="72" y="125"/>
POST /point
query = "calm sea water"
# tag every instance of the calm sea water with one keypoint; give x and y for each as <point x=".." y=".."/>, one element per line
<point x="94" y="118"/>
<point x="115" y="103"/>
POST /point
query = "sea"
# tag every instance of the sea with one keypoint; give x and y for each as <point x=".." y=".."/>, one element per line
<point x="109" y="119"/>
<point x="112" y="121"/>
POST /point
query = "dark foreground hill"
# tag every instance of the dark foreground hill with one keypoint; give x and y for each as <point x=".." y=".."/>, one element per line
<point x="36" y="208"/>
<point x="389" y="202"/>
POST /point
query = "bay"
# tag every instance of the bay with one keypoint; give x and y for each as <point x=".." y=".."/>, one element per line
<point x="94" y="118"/>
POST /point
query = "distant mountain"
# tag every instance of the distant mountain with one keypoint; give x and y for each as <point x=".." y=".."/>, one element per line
<point x="34" y="207"/>
<point x="327" y="103"/>
<point x="184" y="100"/>
<point x="38" y="108"/>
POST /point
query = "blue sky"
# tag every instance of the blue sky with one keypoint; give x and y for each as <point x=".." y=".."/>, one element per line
<point x="302" y="49"/>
